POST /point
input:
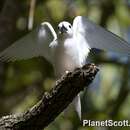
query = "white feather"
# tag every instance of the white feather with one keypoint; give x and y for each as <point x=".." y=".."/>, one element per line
<point x="97" y="37"/>
<point x="34" y="44"/>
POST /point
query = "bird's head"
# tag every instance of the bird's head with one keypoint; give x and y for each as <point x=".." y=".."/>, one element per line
<point x="65" y="29"/>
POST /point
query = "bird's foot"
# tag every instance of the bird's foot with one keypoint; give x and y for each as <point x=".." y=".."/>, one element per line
<point x="66" y="71"/>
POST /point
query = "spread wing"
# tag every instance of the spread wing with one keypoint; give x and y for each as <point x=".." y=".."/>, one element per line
<point x="98" y="37"/>
<point x="34" y="44"/>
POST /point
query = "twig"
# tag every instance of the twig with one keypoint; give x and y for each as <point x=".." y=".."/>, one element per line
<point x="31" y="14"/>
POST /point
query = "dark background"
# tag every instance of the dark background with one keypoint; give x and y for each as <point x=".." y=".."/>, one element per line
<point x="22" y="83"/>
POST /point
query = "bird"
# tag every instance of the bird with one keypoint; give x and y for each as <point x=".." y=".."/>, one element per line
<point x="68" y="48"/>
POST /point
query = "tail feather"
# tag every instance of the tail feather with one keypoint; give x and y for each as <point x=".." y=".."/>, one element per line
<point x="77" y="105"/>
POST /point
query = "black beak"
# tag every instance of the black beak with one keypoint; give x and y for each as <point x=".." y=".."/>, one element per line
<point x="63" y="29"/>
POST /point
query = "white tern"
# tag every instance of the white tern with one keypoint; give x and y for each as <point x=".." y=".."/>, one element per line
<point x="68" y="49"/>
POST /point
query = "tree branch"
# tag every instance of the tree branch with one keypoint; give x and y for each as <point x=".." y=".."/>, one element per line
<point x="52" y="103"/>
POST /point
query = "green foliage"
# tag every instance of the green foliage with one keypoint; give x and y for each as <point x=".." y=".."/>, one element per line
<point x="24" y="82"/>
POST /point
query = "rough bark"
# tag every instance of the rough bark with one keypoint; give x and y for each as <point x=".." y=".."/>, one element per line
<point x="53" y="102"/>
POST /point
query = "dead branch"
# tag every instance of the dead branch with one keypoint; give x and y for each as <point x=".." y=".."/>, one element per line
<point x="53" y="102"/>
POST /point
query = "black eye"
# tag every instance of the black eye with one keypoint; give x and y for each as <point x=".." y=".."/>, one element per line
<point x="69" y="26"/>
<point x="58" y="27"/>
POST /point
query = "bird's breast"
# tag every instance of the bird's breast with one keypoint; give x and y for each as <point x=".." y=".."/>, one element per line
<point x="66" y="57"/>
